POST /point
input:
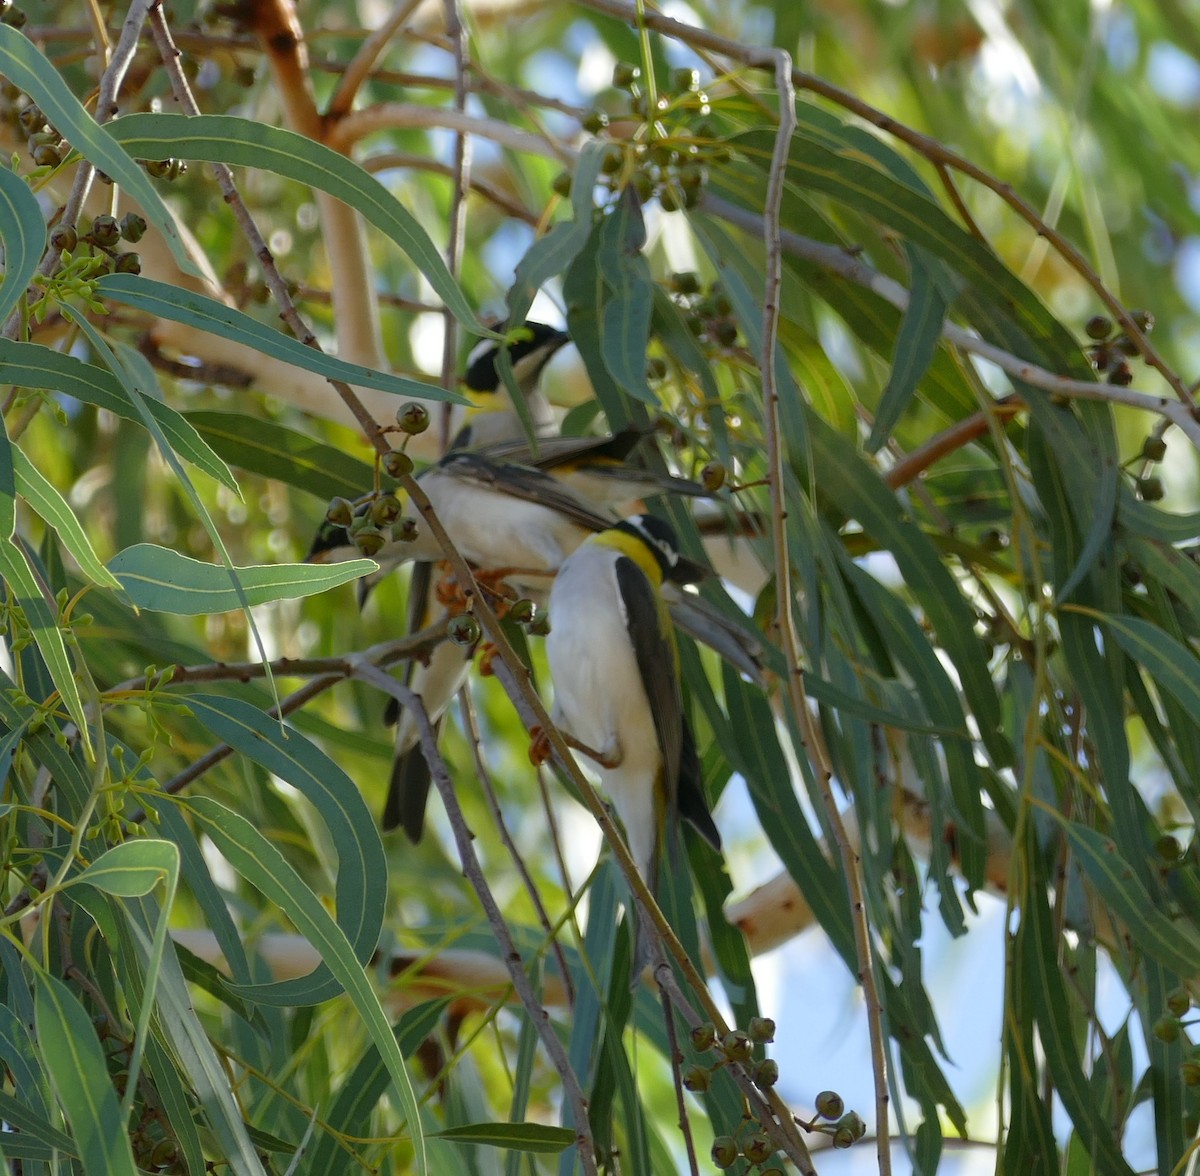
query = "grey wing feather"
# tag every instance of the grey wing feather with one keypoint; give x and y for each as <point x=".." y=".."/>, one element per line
<point x="523" y="482"/>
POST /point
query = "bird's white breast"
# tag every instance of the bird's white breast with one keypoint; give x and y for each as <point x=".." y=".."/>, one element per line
<point x="598" y="691"/>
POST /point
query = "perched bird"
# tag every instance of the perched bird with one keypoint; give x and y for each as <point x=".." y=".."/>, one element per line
<point x="492" y="417"/>
<point x="617" y="697"/>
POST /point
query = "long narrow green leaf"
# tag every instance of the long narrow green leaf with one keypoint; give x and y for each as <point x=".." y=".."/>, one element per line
<point x="552" y="254"/>
<point x="625" y="320"/>
<point x="131" y="869"/>
<point x="185" y="306"/>
<point x="274" y="451"/>
<point x="190" y="1042"/>
<point x="265" y="868"/>
<point x="1171" y="665"/>
<point x="18" y="1115"/>
<point x="141" y="401"/>
<point x="224" y="138"/>
<point x="1172" y="942"/>
<point x="162" y="580"/>
<point x="533" y="1138"/>
<point x="362" y="864"/>
<point x="43" y="623"/>
<point x="53" y="508"/>
<point x="8" y="485"/>
<point x="23" y="234"/>
<point x="77" y="1069"/>
<point x="31" y="365"/>
<point x="28" y="69"/>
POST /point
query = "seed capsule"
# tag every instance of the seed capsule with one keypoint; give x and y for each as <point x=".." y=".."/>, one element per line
<point x="766" y="1073"/>
<point x="128" y="263"/>
<point x="704" y="1037"/>
<point x="757" y="1147"/>
<point x="1154" y="449"/>
<point x="64" y="238"/>
<point x="385" y="510"/>
<point x="1098" y="327"/>
<point x="397" y="464"/>
<point x="133" y="227"/>
<point x="340" y="512"/>
<point x="761" y="1030"/>
<point x="105" y="231"/>
<point x="736" y="1046"/>
<point x="369" y="541"/>
<point x="724" y="1151"/>
<point x="697" y="1078"/>
<point x="830" y="1105"/>
<point x="625" y="73"/>
<point x="413" y="418"/>
<point x="463" y="629"/>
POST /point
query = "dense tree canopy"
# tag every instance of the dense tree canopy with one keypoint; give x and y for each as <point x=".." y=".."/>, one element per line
<point x="910" y="288"/>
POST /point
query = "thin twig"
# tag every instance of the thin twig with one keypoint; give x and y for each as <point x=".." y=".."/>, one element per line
<point x="572" y="1091"/>
<point x="848" y="265"/>
<point x="507" y="203"/>
<point x="364" y="60"/>
<point x="493" y="802"/>
<point x="676" y="1057"/>
<point x="458" y="204"/>
<point x="409" y="115"/>
<point x="851" y="862"/>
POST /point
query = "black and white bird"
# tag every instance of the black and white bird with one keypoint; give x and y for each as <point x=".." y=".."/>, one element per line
<point x="617" y="696"/>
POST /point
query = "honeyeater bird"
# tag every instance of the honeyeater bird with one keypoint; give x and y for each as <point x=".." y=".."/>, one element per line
<point x="617" y="697"/>
<point x="508" y="501"/>
<point x="492" y="417"/>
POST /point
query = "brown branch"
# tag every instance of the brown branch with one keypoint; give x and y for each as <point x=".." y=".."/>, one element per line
<point x="356" y="317"/>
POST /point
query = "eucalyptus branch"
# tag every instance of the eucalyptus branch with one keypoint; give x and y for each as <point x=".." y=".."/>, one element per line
<point x="409" y="115"/>
<point x="784" y="620"/>
<point x="385" y="653"/>
<point x="848" y="265"/>
<point x="585" y="1145"/>
<point x="106" y="107"/>
<point x="390" y="160"/>
<point x="458" y="204"/>
<point x="925" y="145"/>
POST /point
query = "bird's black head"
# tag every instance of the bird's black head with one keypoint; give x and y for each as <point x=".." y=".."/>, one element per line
<point x="659" y="536"/>
<point x="529" y="350"/>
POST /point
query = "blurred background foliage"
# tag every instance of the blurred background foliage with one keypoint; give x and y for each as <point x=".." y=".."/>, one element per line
<point x="1000" y="641"/>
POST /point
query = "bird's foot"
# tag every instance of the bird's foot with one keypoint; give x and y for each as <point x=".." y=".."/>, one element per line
<point x="487" y="655"/>
<point x="539" y="746"/>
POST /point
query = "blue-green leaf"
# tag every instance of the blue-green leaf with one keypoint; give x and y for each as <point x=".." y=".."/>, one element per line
<point x="265" y="868"/>
<point x="225" y="138"/>
<point x="162" y="580"/>
<point x="79" y="1074"/>
<point x="43" y="623"/>
<point x="207" y="314"/>
<point x="53" y="508"/>
<point x="23" y="233"/>
<point x="31" y="365"/>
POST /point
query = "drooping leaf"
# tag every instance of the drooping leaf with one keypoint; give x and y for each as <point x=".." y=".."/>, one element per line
<point x="163" y="580"/>
<point x="23" y="234"/>
<point x="207" y="314"/>
<point x="225" y="138"/>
